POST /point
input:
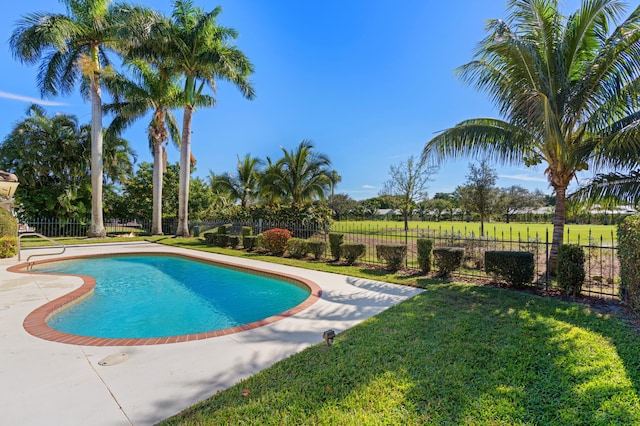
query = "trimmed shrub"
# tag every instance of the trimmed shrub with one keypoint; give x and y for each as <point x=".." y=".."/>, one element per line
<point x="223" y="229"/>
<point x="259" y="242"/>
<point x="246" y="231"/>
<point x="447" y="259"/>
<point x="275" y="240"/>
<point x="222" y="240"/>
<point x="234" y="240"/>
<point x="424" y="254"/>
<point x="629" y="255"/>
<point x="571" y="268"/>
<point x="8" y="224"/>
<point x="352" y="251"/>
<point x="8" y="246"/>
<point x="249" y="242"/>
<point x="514" y="267"/>
<point x="209" y="237"/>
<point x="297" y="248"/>
<point x="317" y="248"/>
<point x="335" y="242"/>
<point x="392" y="254"/>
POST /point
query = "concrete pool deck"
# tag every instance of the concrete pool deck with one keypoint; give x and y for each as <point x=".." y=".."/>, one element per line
<point x="48" y="383"/>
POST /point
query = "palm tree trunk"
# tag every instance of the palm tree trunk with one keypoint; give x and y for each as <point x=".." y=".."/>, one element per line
<point x="96" y="229"/>
<point x="185" y="173"/>
<point x="156" y="220"/>
<point x="558" y="229"/>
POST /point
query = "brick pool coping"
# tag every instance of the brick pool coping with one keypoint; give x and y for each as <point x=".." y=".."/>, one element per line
<point x="36" y="322"/>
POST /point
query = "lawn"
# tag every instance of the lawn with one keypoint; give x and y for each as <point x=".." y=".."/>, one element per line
<point x="456" y="354"/>
<point x="500" y="230"/>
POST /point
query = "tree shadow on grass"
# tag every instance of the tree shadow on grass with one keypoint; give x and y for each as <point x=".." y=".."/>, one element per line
<point x="453" y="354"/>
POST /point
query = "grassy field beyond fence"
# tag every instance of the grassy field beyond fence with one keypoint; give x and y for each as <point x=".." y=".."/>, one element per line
<point x="583" y="234"/>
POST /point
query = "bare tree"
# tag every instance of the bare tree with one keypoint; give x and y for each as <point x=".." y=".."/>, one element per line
<point x="479" y="193"/>
<point x="408" y="181"/>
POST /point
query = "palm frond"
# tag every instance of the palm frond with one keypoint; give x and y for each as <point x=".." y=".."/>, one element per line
<point x="616" y="187"/>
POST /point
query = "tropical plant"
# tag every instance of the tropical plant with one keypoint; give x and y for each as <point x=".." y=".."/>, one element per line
<point x="567" y="88"/>
<point x="244" y="186"/>
<point x="300" y="176"/>
<point x="193" y="45"/>
<point x="614" y="186"/>
<point x="72" y="47"/>
<point x="155" y="91"/>
<point x="51" y="156"/>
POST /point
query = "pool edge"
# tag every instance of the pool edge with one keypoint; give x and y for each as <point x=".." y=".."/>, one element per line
<point x="35" y="322"/>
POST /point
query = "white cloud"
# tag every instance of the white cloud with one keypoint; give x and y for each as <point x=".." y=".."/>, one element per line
<point x="30" y="100"/>
<point x="527" y="178"/>
<point x="369" y="187"/>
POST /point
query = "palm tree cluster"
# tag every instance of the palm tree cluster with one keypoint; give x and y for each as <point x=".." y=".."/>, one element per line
<point x="300" y="176"/>
<point x="170" y="61"/>
<point x="568" y="89"/>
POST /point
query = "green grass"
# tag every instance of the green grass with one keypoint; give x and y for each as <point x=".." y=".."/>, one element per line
<point x="499" y="230"/>
<point x="456" y="354"/>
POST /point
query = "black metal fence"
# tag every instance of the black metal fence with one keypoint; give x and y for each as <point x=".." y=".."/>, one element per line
<point x="601" y="266"/>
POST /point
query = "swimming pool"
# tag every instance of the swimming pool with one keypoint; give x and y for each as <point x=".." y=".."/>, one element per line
<point x="151" y="298"/>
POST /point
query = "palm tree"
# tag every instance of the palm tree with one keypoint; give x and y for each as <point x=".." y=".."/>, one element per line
<point x="244" y="185"/>
<point x="51" y="155"/>
<point x="192" y="44"/>
<point x="72" y="47"/>
<point x="154" y="90"/>
<point x="301" y="174"/>
<point x="614" y="186"/>
<point x="334" y="179"/>
<point x="568" y="89"/>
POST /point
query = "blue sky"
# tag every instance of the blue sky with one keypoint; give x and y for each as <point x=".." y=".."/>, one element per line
<point x="369" y="82"/>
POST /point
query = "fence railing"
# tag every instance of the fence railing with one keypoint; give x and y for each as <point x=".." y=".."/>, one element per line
<point x="601" y="266"/>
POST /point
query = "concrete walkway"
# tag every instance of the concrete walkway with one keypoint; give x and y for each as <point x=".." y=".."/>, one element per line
<point x="48" y="383"/>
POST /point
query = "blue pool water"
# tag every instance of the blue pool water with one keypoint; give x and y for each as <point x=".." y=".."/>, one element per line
<point x="158" y="296"/>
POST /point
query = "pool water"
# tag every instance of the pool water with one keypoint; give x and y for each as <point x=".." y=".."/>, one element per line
<point x="157" y="296"/>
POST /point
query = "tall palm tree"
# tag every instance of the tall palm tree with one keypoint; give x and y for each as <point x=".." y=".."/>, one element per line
<point x="72" y="47"/>
<point x="569" y="90"/>
<point x="245" y="184"/>
<point x="156" y="90"/>
<point x="301" y="174"/>
<point x="192" y="44"/>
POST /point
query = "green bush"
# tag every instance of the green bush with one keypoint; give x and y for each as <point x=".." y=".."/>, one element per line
<point x="571" y="268"/>
<point x="223" y="229"/>
<point x="447" y="259"/>
<point x="249" y="242"/>
<point x="234" y="241"/>
<point x="629" y="255"/>
<point x="8" y="224"/>
<point x="297" y="248"/>
<point x="424" y="254"/>
<point x="335" y="242"/>
<point x="352" y="251"/>
<point x="259" y="242"/>
<point x="317" y="248"/>
<point x="8" y="246"/>
<point x="275" y="240"/>
<point x="514" y="267"/>
<point x="210" y="238"/>
<point x="246" y="231"/>
<point x="393" y="255"/>
<point x="221" y="240"/>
